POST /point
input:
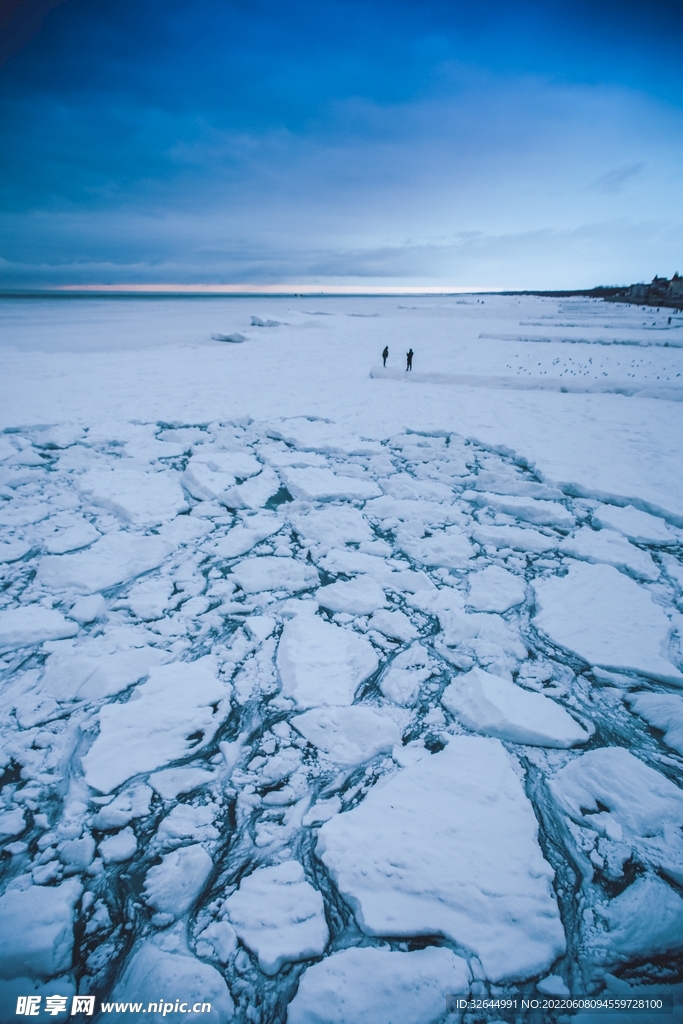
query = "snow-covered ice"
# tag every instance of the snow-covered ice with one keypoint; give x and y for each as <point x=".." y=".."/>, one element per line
<point x="321" y="663"/>
<point x="392" y="857"/>
<point x="279" y="915"/>
<point x="488" y="704"/>
<point x="607" y="619"/>
<point x="251" y="617"/>
<point x="379" y="985"/>
<point x="348" y="735"/>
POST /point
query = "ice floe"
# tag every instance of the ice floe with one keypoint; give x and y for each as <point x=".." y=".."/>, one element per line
<point x="393" y="858"/>
<point x="279" y="915"/>
<point x="607" y="619"/>
<point x="488" y="704"/>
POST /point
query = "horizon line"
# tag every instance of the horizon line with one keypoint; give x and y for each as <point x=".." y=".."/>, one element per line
<point x="271" y="289"/>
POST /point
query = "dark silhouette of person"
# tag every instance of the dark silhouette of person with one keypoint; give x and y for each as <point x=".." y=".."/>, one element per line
<point x="409" y="359"/>
<point x="385" y="355"/>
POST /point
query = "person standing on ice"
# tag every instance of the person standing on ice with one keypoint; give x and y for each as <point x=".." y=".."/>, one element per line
<point x="409" y="359"/>
<point x="385" y="355"/>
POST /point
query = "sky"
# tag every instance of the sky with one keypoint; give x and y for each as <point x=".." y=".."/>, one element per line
<point x="340" y="142"/>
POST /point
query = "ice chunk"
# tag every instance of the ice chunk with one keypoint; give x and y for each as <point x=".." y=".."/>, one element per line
<point x="119" y="848"/>
<point x="149" y="598"/>
<point x="12" y="823"/>
<point x="394" y="625"/>
<point x="221" y="937"/>
<point x="279" y="915"/>
<point x="188" y="822"/>
<point x="406" y="674"/>
<point x="379" y="986"/>
<point x="87" y="609"/>
<point x="360" y="596"/>
<point x="532" y="510"/>
<point x="516" y="537"/>
<point x="79" y="535"/>
<point x="74" y="675"/>
<point x="664" y="711"/>
<point x="171" y="782"/>
<point x="611" y="548"/>
<point x="488" y="704"/>
<point x="272" y="573"/>
<point x="607" y="619"/>
<point x="31" y="624"/>
<point x="209" y="473"/>
<point x="116" y="558"/>
<point x="448" y="846"/>
<point x="613" y="792"/>
<point x="348" y="735"/>
<point x="143" y="498"/>
<point x="495" y="589"/>
<point x="246" y="535"/>
<point x="36" y="929"/>
<point x="133" y="803"/>
<point x="313" y="484"/>
<point x="253" y="493"/>
<point x="645" y="920"/>
<point x="13" y="550"/>
<point x="171" y="714"/>
<point x="553" y="985"/>
<point x="173" y="886"/>
<point x="322" y="664"/>
<point x="333" y="526"/>
<point x="640" y="527"/>
<point x="155" y="976"/>
<point x="449" y="548"/>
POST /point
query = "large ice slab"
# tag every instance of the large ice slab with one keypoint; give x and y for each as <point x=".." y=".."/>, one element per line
<point x="36" y="930"/>
<point x="665" y="712"/>
<point x="32" y="624"/>
<point x="614" y="793"/>
<point x="640" y="527"/>
<point x="348" y="735"/>
<point x="155" y="976"/>
<point x="611" y="548"/>
<point x="496" y="707"/>
<point x="449" y="846"/>
<point x="167" y="717"/>
<point x="173" y="886"/>
<point x="143" y="498"/>
<point x="645" y="920"/>
<point x="379" y="986"/>
<point x="279" y="915"/>
<point x="116" y="558"/>
<point x="324" y="485"/>
<point x="75" y="674"/>
<point x="320" y="663"/>
<point x="495" y="589"/>
<point x="607" y="619"/>
<point x="406" y="674"/>
<point x="272" y="573"/>
<point x="449" y="548"/>
<point x="359" y="596"/>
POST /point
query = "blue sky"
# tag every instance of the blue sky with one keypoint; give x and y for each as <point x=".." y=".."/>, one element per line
<point x="505" y="145"/>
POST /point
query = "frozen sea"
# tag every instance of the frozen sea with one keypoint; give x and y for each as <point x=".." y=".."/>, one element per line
<point x="329" y="690"/>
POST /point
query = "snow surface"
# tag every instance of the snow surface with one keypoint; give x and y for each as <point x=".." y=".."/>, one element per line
<point x="488" y="704"/>
<point x="348" y="735"/>
<point x="607" y="619"/>
<point x="320" y="663"/>
<point x="279" y="915"/>
<point x="240" y="584"/>
<point x="380" y="986"/>
<point x="392" y="857"/>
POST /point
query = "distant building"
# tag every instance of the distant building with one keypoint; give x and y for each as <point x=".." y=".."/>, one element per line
<point x="660" y="292"/>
